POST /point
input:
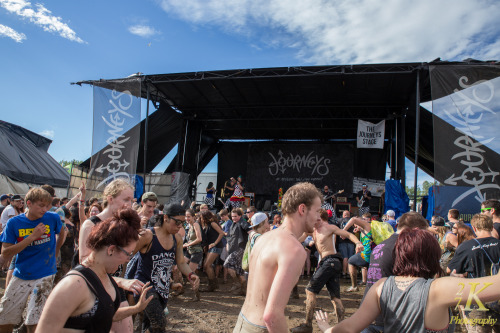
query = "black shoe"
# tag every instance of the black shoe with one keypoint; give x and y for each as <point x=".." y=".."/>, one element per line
<point x="302" y="328"/>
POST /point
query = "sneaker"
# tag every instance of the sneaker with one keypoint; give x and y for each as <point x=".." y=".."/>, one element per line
<point x="351" y="289"/>
<point x="302" y="328"/>
<point x="361" y="283"/>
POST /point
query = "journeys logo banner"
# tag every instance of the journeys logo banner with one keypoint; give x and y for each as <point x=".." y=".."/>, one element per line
<point x="272" y="166"/>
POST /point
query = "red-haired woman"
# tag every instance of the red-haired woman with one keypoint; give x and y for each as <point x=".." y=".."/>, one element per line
<point x="117" y="195"/>
<point x="412" y="300"/>
<point x="87" y="298"/>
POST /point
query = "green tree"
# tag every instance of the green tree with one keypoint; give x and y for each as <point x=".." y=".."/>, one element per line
<point x="67" y="164"/>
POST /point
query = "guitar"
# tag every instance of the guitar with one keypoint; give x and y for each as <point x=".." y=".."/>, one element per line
<point x="223" y="203"/>
<point x="362" y="200"/>
<point x="333" y="195"/>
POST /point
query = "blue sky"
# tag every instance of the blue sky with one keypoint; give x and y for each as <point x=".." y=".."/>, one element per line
<point x="46" y="45"/>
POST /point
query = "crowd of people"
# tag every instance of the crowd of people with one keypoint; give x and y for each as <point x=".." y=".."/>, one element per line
<point x="111" y="264"/>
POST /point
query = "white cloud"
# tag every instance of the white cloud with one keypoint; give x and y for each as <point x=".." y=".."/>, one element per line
<point x="143" y="30"/>
<point x="356" y="31"/>
<point x="42" y="17"/>
<point x="47" y="133"/>
<point x="6" y="31"/>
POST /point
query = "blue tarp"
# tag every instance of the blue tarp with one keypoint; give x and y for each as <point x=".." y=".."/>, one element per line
<point x="396" y="197"/>
<point x="444" y="198"/>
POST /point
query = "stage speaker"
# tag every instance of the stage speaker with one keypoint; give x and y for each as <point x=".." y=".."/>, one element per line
<point x="340" y="207"/>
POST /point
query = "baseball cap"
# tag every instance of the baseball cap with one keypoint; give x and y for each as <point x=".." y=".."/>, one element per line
<point x="330" y="213"/>
<point x="16" y="197"/>
<point x="257" y="219"/>
<point x="174" y="210"/>
<point x="390" y="212"/>
<point x="149" y="196"/>
<point x="3" y="197"/>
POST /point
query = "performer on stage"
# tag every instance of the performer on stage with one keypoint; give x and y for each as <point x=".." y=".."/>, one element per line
<point x="363" y="199"/>
<point x="326" y="192"/>
<point x="210" y="199"/>
<point x="237" y="187"/>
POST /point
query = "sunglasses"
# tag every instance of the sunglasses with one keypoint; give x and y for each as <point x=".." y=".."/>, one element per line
<point x="126" y="253"/>
<point x="177" y="221"/>
<point x="485" y="209"/>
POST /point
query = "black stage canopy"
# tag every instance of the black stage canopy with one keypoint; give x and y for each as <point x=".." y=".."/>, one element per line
<point x="314" y="104"/>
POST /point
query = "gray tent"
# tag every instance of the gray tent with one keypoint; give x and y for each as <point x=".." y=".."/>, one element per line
<point x="24" y="157"/>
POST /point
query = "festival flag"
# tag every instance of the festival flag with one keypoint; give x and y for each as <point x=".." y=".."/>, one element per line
<point x="466" y="114"/>
<point x="116" y="131"/>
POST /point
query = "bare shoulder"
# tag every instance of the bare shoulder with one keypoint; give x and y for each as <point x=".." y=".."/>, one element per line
<point x="88" y="224"/>
<point x="178" y="238"/>
<point x="74" y="285"/>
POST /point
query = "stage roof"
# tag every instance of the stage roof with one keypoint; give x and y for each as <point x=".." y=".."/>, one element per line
<point x="299" y="103"/>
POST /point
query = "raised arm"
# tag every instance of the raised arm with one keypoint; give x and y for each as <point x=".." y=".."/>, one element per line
<point x="345" y="234"/>
<point x="359" y="222"/>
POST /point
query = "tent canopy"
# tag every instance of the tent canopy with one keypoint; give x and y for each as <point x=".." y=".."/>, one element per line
<point x="24" y="157"/>
<point x="315" y="103"/>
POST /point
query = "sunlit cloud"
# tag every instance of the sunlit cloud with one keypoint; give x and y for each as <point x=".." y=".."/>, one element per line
<point x="6" y="31"/>
<point x="355" y="31"/>
<point x="42" y="17"/>
<point x="143" y="30"/>
<point x="47" y="133"/>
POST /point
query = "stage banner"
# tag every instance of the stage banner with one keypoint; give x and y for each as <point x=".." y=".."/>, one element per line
<point x="466" y="114"/>
<point x="371" y="135"/>
<point x="274" y="166"/>
<point x="116" y="131"/>
<point x="443" y="198"/>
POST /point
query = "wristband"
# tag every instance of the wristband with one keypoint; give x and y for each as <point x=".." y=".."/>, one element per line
<point x="189" y="276"/>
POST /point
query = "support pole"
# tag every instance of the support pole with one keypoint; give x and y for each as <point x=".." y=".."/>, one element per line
<point x="417" y="138"/>
<point x="146" y="138"/>
<point x="197" y="167"/>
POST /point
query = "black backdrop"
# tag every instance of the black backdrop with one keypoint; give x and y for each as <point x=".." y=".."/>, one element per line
<point x="272" y="166"/>
<point x="252" y="161"/>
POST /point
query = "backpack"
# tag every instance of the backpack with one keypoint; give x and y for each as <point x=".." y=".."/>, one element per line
<point x="494" y="267"/>
<point x="495" y="305"/>
<point x="245" y="262"/>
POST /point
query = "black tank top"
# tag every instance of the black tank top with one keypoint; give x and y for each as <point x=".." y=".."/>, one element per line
<point x="212" y="235"/>
<point x="156" y="265"/>
<point x="100" y="317"/>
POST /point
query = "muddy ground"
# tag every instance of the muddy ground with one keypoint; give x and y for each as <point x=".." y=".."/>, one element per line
<point x="217" y="312"/>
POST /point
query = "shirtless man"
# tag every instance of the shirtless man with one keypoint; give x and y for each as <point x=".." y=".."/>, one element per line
<point x="275" y="272"/>
<point x="328" y="271"/>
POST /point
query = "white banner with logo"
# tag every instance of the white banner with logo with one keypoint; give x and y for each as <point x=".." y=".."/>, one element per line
<point x="371" y="135"/>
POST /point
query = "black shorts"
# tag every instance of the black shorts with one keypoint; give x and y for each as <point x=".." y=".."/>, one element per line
<point x="328" y="273"/>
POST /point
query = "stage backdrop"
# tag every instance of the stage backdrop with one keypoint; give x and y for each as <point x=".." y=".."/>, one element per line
<point x="271" y="166"/>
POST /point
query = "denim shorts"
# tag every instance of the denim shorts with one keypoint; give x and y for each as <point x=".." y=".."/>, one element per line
<point x="346" y="249"/>
<point x="357" y="261"/>
<point x="215" y="249"/>
<point x="196" y="258"/>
